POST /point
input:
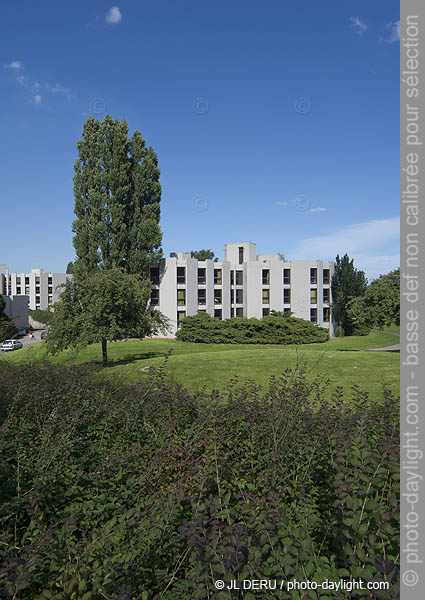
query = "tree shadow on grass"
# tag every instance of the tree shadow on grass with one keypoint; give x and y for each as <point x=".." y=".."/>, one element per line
<point x="130" y="358"/>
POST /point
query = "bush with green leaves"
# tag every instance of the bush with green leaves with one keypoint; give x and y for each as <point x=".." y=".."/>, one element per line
<point x="273" y="329"/>
<point x="146" y="491"/>
<point x="41" y="316"/>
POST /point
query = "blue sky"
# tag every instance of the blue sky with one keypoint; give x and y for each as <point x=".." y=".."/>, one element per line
<point x="274" y="122"/>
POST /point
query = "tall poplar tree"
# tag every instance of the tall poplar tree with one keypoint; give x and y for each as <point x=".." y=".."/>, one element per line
<point x="117" y="235"/>
<point x="117" y="200"/>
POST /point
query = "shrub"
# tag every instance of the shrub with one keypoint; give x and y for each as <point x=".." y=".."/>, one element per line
<point x="145" y="491"/>
<point x="41" y="316"/>
<point x="7" y="328"/>
<point x="273" y="329"/>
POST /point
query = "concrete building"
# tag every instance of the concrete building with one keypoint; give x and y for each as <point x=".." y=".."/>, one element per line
<point x="244" y="284"/>
<point x="40" y="287"/>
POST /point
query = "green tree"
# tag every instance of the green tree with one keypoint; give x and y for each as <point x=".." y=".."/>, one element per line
<point x="117" y="235"/>
<point x="347" y="282"/>
<point x="70" y="268"/>
<point x="111" y="305"/>
<point x="203" y="255"/>
<point x="379" y="306"/>
<point x="117" y="200"/>
<point x="7" y="326"/>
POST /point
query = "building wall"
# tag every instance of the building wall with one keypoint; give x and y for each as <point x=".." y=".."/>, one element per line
<point x="253" y="302"/>
<point x="16" y="308"/>
<point x="41" y="288"/>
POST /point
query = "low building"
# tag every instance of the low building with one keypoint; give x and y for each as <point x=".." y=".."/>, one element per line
<point x="244" y="284"/>
<point x="16" y="308"/>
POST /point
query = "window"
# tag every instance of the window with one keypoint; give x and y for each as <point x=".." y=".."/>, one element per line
<point x="217" y="277"/>
<point x="286" y="310"/>
<point x="37" y="281"/>
<point x="27" y="290"/>
<point x="37" y="299"/>
<point x="326" y="276"/>
<point x="27" y="280"/>
<point x="232" y="296"/>
<point x="287" y="276"/>
<point x="266" y="296"/>
<point x="232" y="278"/>
<point x="154" y="297"/>
<point x="37" y="289"/>
<point x="239" y="277"/>
<point x="266" y="312"/>
<point x="181" y="274"/>
<point x="326" y="314"/>
<point x="217" y="296"/>
<point x="313" y="296"/>
<point x="181" y="297"/>
<point x="286" y="296"/>
<point x="202" y="278"/>
<point x="154" y="275"/>
<point x="217" y="313"/>
<point x="239" y="312"/>
<point x="266" y="276"/>
<point x="18" y="290"/>
<point x="232" y="312"/>
<point x="313" y="275"/>
<point x="49" y="300"/>
<point x="18" y="281"/>
<point x="239" y="296"/>
<point x="326" y="295"/>
<point x="180" y="316"/>
<point x="313" y="315"/>
<point x="241" y="255"/>
<point x="202" y="296"/>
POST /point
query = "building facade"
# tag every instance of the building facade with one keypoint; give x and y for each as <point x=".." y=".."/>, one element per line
<point x="40" y="287"/>
<point x="244" y="284"/>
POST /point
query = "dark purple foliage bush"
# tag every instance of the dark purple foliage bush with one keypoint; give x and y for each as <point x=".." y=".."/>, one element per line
<point x="147" y="491"/>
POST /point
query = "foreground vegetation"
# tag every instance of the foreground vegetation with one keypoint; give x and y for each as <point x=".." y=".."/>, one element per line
<point x="214" y="365"/>
<point x="148" y="491"/>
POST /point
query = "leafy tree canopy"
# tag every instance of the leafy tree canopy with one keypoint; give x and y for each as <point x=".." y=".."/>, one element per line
<point x="106" y="306"/>
<point x="117" y="199"/>
<point x="379" y="306"/>
<point x="203" y="255"/>
<point x="70" y="268"/>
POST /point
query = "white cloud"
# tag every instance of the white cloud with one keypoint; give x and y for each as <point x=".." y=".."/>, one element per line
<point x="364" y="242"/>
<point x="113" y="16"/>
<point x="280" y="203"/>
<point x="317" y="209"/>
<point x="394" y="35"/>
<point x="22" y="81"/>
<point x="357" y="26"/>
<point x="37" y="99"/>
<point x="59" y="89"/>
<point x="15" y="64"/>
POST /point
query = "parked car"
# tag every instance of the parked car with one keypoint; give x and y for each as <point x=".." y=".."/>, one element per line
<point x="43" y="335"/>
<point x="11" y="345"/>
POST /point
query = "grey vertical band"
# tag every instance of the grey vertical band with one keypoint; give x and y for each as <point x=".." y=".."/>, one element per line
<point x="412" y="331"/>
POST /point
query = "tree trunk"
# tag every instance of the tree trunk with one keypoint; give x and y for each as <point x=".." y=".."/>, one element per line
<point x="104" y="353"/>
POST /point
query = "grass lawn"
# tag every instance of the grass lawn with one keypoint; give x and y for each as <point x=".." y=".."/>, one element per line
<point x="213" y="365"/>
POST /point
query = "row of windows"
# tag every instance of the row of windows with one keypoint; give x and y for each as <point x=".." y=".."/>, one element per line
<point x="37" y="290"/>
<point x="27" y="280"/>
<point x="238" y="312"/>
<point x="236" y="296"/>
<point x="236" y="277"/>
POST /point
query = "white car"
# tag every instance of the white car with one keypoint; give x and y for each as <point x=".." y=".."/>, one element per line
<point x="11" y="345"/>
